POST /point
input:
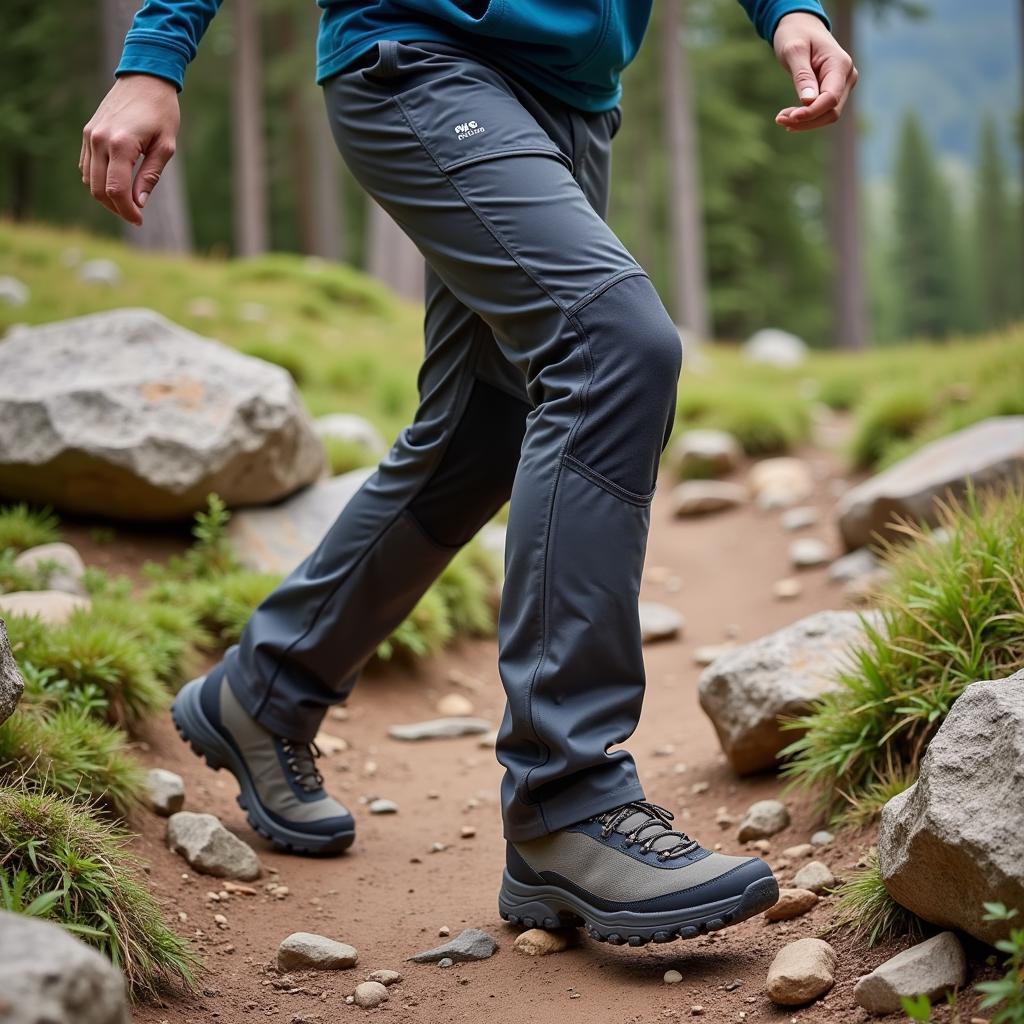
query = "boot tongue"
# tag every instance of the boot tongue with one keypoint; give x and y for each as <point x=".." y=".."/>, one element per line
<point x="638" y="819"/>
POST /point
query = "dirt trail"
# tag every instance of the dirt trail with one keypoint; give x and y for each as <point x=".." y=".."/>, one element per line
<point x="390" y="894"/>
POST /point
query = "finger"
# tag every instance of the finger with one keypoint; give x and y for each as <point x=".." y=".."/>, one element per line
<point x="98" y="173"/>
<point x="819" y="122"/>
<point x="797" y="56"/>
<point x="825" y="102"/>
<point x="118" y="186"/>
<point x="150" y="170"/>
<point x="81" y="156"/>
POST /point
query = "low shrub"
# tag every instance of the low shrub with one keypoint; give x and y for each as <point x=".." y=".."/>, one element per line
<point x="22" y="527"/>
<point x="952" y="614"/>
<point x="1005" y="995"/>
<point x="343" y="455"/>
<point x="71" y="865"/>
<point x="888" y="417"/>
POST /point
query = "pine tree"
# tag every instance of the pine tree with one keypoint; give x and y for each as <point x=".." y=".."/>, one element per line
<point x="998" y="276"/>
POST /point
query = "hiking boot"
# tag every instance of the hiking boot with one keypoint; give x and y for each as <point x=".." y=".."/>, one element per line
<point x="281" y="789"/>
<point x="630" y="878"/>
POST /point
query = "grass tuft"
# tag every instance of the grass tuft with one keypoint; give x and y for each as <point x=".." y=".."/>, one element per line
<point x="48" y="845"/>
<point x="22" y="527"/>
<point x="866" y="910"/>
<point x="952" y="614"/>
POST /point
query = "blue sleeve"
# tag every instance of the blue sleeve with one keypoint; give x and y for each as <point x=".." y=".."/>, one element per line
<point x="766" y="14"/>
<point x="164" y="37"/>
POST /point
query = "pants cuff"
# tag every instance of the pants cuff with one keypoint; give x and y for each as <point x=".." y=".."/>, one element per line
<point x="564" y="811"/>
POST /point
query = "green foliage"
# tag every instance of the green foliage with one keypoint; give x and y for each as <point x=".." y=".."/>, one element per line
<point x="22" y="527"/>
<point x="865" y="909"/>
<point x="48" y="845"/>
<point x="466" y="587"/>
<point x="343" y="456"/>
<point x="917" y="1008"/>
<point x="1006" y="995"/>
<point x="427" y="628"/>
<point x="953" y="613"/>
<point x="890" y="415"/>
<point x="71" y="753"/>
<point x="14" y="896"/>
<point x="282" y="354"/>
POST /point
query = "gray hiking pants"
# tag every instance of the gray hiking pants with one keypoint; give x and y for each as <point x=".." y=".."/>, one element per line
<point x="549" y="377"/>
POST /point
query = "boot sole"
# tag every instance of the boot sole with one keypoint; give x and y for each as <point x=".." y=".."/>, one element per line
<point x="534" y="906"/>
<point x="206" y="742"/>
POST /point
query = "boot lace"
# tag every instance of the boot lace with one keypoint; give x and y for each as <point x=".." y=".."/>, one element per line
<point x="301" y="759"/>
<point x="656" y="825"/>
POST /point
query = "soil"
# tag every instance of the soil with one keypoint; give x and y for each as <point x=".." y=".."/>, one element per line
<point x="390" y="895"/>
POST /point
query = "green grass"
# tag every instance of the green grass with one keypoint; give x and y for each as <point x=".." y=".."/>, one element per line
<point x="865" y="909"/>
<point x="52" y="845"/>
<point x="343" y="456"/>
<point x="953" y="613"/>
<point x="22" y="527"/>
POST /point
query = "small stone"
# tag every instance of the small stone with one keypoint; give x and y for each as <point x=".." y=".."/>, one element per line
<point x="822" y="838"/>
<point x="708" y="653"/>
<point x="700" y="787"/>
<point x="454" y="705"/>
<point x="470" y="944"/>
<point x="763" y="819"/>
<point x="787" y="589"/>
<point x="930" y="968"/>
<point x="792" y="903"/>
<point x="439" y="728"/>
<point x="762" y="846"/>
<point x="210" y="848"/>
<point x="305" y="951"/>
<point x="445" y="962"/>
<point x="385" y="977"/>
<point x="705" y="453"/>
<point x="467" y="832"/>
<point x="801" y="971"/>
<point x="541" y="942"/>
<point x="815" y="876"/>
<point x="781" y="482"/>
<point x="381" y="806"/>
<point x="799" y="518"/>
<point x="808" y="552"/>
<point x="672" y="977"/>
<point x="659" y="622"/>
<point x="438" y="847"/>
<point x="798" y="852"/>
<point x="488" y="740"/>
<point x="853" y="566"/>
<point x="696" y="1011"/>
<point x="104" y="272"/>
<point x="59" y="564"/>
<point x="51" y="607"/>
<point x="702" y="497"/>
<point x="13" y="292"/>
<point x="165" y="791"/>
<point x="369" y="994"/>
<point x="444" y="931"/>
<point x="331" y="745"/>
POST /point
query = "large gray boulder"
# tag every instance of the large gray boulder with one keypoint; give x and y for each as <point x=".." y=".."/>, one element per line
<point x="127" y="415"/>
<point x="277" y="538"/>
<point x="952" y="841"/>
<point x="745" y="692"/>
<point x="986" y="453"/>
<point x="12" y="685"/>
<point x="49" y="977"/>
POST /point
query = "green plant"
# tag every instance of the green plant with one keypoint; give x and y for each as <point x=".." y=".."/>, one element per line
<point x="866" y="910"/>
<point x="64" y="847"/>
<point x="889" y="416"/>
<point x="1006" y="995"/>
<point x="917" y="1008"/>
<point x="66" y="751"/>
<point x="426" y="629"/>
<point x="14" y="578"/>
<point x="343" y="455"/>
<point x="952" y="613"/>
<point x="466" y="587"/>
<point x="22" y="527"/>
<point x="14" y="896"/>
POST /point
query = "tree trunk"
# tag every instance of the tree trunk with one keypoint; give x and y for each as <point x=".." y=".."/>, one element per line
<point x="166" y="224"/>
<point x="329" y="238"/>
<point x="248" y="155"/>
<point x="688" y="274"/>
<point x="391" y="257"/>
<point x="849" y="303"/>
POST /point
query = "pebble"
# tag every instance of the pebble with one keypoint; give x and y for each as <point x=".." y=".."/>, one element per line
<point x="210" y="848"/>
<point x="807" y="552"/>
<point x="787" y="589"/>
<point x="305" y="951"/>
<point x="455" y="705"/>
<point x="381" y="806"/>
<point x="798" y="852"/>
<point x="822" y="838"/>
<point x="369" y="994"/>
<point x="64" y="565"/>
<point x="792" y="903"/>
<point x="439" y="728"/>
<point x="815" y="876"/>
<point x="801" y="971"/>
<point x="930" y="968"/>
<point x="701" y="497"/>
<point x="444" y="931"/>
<point x="672" y="977"/>
<point x="446" y="961"/>
<point x="165" y="791"/>
<point x="659" y="622"/>
<point x="799" y="518"/>
<point x="469" y="944"/>
<point x="763" y="819"/>
<point x="696" y="1011"/>
<point x="331" y="745"/>
<point x="541" y="942"/>
<point x="100" y="271"/>
<point x="700" y="787"/>
<point x="467" y="832"/>
<point x="385" y="977"/>
<point x="705" y="655"/>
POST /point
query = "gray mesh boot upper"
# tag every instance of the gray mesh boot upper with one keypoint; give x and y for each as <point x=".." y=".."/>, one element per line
<point x="281" y="789"/>
<point x="631" y="878"/>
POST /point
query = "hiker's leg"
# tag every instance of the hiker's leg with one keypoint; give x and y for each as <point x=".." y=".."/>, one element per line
<point x="445" y="476"/>
<point x="479" y="173"/>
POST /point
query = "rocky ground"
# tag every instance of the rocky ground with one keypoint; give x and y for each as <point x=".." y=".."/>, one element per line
<point x="432" y="868"/>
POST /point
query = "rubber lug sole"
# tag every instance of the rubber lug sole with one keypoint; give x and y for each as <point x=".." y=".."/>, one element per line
<point x="198" y="732"/>
<point x="550" y="907"/>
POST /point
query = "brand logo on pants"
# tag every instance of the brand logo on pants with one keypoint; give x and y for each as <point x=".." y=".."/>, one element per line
<point x="468" y="129"/>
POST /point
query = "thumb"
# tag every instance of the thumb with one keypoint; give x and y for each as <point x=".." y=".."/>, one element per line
<point x="150" y="169"/>
<point x="804" y="78"/>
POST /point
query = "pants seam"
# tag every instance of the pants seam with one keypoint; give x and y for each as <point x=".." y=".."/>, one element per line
<point x="616" y="490"/>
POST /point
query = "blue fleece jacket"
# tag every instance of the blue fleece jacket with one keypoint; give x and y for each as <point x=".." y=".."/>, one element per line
<point x="573" y="49"/>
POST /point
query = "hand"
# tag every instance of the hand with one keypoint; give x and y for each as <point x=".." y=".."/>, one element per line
<point x="822" y="71"/>
<point x="139" y="117"/>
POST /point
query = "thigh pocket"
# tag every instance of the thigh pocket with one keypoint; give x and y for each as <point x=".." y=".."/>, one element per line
<point x="466" y="115"/>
